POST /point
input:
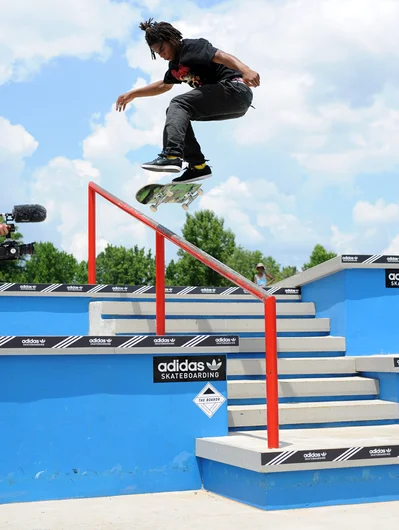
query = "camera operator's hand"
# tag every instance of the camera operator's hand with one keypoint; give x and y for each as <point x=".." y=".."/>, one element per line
<point x="3" y="229"/>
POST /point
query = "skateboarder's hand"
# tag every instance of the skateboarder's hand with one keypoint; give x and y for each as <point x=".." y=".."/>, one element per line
<point x="251" y="78"/>
<point x="123" y="100"/>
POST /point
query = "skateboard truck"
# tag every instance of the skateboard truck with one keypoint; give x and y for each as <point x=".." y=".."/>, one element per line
<point x="189" y="197"/>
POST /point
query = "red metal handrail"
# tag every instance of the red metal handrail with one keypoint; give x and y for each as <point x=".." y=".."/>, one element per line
<point x="224" y="270"/>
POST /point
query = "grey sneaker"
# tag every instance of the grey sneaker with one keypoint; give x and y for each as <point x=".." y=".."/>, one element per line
<point x="163" y="163"/>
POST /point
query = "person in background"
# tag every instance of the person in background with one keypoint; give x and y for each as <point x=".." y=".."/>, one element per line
<point x="3" y="229"/>
<point x="261" y="277"/>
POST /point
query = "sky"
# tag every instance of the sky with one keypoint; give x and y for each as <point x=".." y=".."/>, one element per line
<point x="316" y="161"/>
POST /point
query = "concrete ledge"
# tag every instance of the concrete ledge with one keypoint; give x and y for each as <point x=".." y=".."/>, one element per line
<point x="303" y="366"/>
<point x="233" y="325"/>
<point x="295" y="344"/>
<point x="315" y="387"/>
<point x="338" y="264"/>
<point x="315" y="413"/>
<point x="180" y="308"/>
<point x="378" y="363"/>
<point x="303" y="449"/>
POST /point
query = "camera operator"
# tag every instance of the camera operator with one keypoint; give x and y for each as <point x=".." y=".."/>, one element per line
<point x="3" y="229"/>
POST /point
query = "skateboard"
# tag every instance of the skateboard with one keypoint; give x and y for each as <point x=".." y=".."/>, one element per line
<point x="156" y="194"/>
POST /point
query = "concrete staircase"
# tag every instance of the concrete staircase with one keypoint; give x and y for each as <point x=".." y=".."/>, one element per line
<point x="318" y="385"/>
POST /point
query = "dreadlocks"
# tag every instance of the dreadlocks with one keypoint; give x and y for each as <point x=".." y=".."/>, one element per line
<point x="159" y="31"/>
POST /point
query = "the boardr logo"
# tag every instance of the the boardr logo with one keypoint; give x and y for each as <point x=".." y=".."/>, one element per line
<point x="179" y="369"/>
<point x="392" y="278"/>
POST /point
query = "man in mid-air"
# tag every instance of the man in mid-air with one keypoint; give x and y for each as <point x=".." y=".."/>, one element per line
<point x="221" y="91"/>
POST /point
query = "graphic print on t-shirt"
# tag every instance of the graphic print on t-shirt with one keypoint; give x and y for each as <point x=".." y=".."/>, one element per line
<point x="183" y="74"/>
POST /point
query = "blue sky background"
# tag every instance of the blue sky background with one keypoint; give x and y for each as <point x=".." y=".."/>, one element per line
<point x="315" y="162"/>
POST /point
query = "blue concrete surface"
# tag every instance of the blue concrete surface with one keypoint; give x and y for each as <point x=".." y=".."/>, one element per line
<point x="96" y="425"/>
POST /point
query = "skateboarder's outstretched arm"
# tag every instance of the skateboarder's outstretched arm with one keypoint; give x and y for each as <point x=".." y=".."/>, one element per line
<point x="154" y="89"/>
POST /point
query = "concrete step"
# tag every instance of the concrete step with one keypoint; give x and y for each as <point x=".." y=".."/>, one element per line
<point x="314" y="413"/>
<point x="100" y="326"/>
<point x="184" y="309"/>
<point x="295" y="344"/>
<point x="304" y="366"/>
<point x="314" y="387"/>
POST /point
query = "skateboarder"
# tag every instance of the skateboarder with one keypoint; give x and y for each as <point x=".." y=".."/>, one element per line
<point x="221" y="90"/>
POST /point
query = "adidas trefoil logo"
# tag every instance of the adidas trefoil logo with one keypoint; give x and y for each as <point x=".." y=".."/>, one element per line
<point x="214" y="365"/>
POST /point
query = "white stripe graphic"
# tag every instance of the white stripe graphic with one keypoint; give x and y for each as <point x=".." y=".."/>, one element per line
<point x="186" y="290"/>
<point x="141" y="290"/>
<point x="51" y="287"/>
<point x="194" y="341"/>
<point x="228" y="291"/>
<point x="5" y="339"/>
<point x="96" y="289"/>
<point x="348" y="454"/>
<point x="373" y="258"/>
<point x="6" y="286"/>
<point x="67" y="341"/>
<point x="281" y="458"/>
<point x="272" y="290"/>
<point x="131" y="342"/>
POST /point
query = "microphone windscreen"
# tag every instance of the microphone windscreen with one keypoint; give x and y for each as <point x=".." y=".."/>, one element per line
<point x="29" y="213"/>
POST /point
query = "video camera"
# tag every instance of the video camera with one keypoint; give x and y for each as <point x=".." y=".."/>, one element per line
<point x="25" y="213"/>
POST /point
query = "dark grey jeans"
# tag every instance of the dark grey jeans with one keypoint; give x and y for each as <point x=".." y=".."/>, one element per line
<point x="222" y="101"/>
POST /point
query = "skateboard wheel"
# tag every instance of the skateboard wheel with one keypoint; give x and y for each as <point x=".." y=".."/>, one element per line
<point x="184" y="206"/>
<point x="153" y="208"/>
<point x="169" y="193"/>
<point x="200" y="192"/>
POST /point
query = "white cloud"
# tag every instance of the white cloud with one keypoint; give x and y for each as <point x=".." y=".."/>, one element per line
<point x="32" y="33"/>
<point x="366" y="213"/>
<point x="16" y="145"/>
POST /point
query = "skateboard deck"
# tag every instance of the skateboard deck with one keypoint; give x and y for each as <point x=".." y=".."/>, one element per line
<point x="156" y="194"/>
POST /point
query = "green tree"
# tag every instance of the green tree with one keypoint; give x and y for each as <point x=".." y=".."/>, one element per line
<point x="206" y="231"/>
<point x="50" y="265"/>
<point x="245" y="261"/>
<point x="318" y="255"/>
<point x="120" y="265"/>
<point x="287" y="272"/>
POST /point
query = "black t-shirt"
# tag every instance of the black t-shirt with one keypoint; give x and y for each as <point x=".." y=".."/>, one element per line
<point x="195" y="67"/>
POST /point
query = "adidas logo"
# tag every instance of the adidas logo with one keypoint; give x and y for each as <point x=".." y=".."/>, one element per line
<point x="380" y="451"/>
<point x="214" y="365"/>
<point x="168" y="341"/>
<point x="313" y="456"/>
<point x="38" y="342"/>
<point x="100" y="341"/>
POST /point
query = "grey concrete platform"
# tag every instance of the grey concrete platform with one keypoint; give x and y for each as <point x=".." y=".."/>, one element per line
<point x="315" y="412"/>
<point x="110" y="326"/>
<point x="188" y="511"/>
<point x="245" y="449"/>
<point x="204" y="308"/>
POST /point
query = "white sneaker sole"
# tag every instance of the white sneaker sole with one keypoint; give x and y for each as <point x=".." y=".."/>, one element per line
<point x="167" y="169"/>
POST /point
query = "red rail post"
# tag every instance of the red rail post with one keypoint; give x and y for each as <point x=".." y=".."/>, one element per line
<point x="160" y="283"/>
<point x="91" y="262"/>
<point x="271" y="373"/>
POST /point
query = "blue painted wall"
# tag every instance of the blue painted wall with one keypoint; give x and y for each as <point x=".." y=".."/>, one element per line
<point x="361" y="309"/>
<point x="389" y="384"/>
<point x="44" y="315"/>
<point x="96" y="425"/>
